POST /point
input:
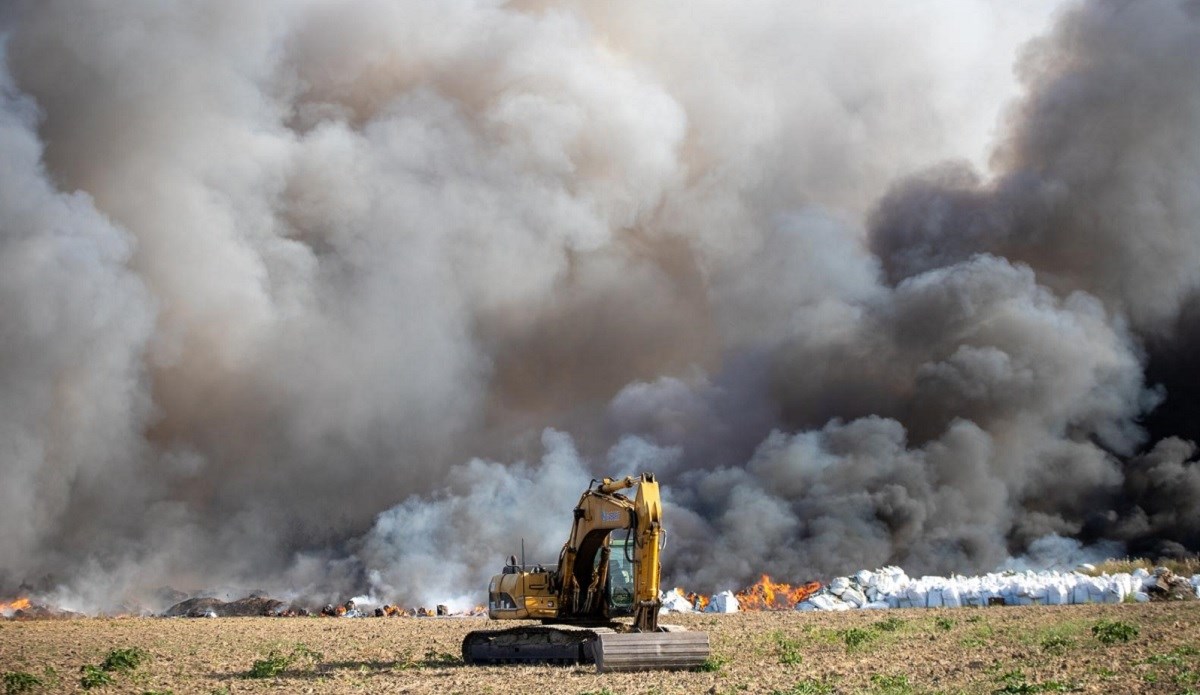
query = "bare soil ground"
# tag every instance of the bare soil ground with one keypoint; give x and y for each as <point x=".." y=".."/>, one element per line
<point x="981" y="650"/>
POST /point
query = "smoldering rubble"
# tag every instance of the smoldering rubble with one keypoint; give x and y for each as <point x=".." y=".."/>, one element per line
<point x="350" y="299"/>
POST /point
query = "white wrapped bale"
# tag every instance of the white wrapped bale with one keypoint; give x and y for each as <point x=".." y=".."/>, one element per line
<point x="825" y="602"/>
<point x="891" y="580"/>
<point x="724" y="602"/>
<point x="1115" y="592"/>
<point x="854" y="598"/>
<point x="675" y="602"/>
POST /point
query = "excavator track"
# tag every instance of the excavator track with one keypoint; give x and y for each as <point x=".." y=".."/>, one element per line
<point x="534" y="644"/>
<point x="568" y="644"/>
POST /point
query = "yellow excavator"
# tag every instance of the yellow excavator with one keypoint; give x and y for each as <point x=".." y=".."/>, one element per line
<point x="608" y="572"/>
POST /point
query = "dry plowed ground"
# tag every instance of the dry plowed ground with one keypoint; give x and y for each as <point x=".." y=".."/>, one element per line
<point x="981" y="650"/>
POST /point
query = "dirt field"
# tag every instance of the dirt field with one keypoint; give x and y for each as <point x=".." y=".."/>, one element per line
<point x="1002" y="649"/>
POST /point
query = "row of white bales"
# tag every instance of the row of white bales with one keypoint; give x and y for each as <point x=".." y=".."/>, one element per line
<point x="890" y="587"/>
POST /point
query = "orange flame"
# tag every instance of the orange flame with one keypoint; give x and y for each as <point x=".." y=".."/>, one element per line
<point x="769" y="595"/>
<point x="698" y="601"/>
<point x="17" y="605"/>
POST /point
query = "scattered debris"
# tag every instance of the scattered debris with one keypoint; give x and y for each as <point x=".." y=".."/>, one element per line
<point x="1165" y="585"/>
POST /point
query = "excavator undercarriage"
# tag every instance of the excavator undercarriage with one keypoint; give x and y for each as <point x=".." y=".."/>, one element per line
<point x="607" y="648"/>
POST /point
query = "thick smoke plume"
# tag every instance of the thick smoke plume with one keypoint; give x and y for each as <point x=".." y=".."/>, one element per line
<point x="330" y="298"/>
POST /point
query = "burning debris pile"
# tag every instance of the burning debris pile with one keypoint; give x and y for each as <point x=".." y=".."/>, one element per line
<point x="763" y="595"/>
<point x="768" y="595"/>
<point x="891" y="587"/>
<point x="26" y="609"/>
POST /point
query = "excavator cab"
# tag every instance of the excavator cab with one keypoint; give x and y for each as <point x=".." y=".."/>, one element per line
<point x="620" y="576"/>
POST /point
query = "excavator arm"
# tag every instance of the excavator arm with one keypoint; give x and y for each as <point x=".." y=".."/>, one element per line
<point x="600" y="512"/>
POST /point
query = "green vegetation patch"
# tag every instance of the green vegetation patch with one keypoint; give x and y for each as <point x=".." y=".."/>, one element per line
<point x="124" y="660"/>
<point x="891" y="685"/>
<point x="807" y="687"/>
<point x="1015" y="682"/>
<point x="277" y="662"/>
<point x="19" y="682"/>
<point x="858" y="637"/>
<point x="1113" y="631"/>
<point x="117" y="661"/>
<point x="93" y="677"/>
<point x="713" y="663"/>
<point x="790" y="650"/>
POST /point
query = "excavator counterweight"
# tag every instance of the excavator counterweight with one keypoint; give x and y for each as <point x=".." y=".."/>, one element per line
<point x="608" y="571"/>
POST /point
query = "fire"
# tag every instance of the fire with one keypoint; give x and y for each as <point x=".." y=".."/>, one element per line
<point x="769" y="595"/>
<point x="698" y="601"/>
<point x="12" y="607"/>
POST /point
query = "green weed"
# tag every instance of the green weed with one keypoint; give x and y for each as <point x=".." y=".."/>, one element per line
<point x="124" y="660"/>
<point x="94" y="677"/>
<point x="1056" y="644"/>
<point x="807" y="687"/>
<point x="119" y="661"/>
<point x="275" y="664"/>
<point x="1014" y="683"/>
<point x="856" y="637"/>
<point x="19" y="682"/>
<point x="1113" y="631"/>
<point x="713" y="664"/>
<point x="891" y="685"/>
<point x="790" y="650"/>
<point x="436" y="659"/>
<point x="278" y="662"/>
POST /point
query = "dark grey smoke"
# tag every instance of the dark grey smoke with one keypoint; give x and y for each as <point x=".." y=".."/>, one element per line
<point x="340" y="298"/>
